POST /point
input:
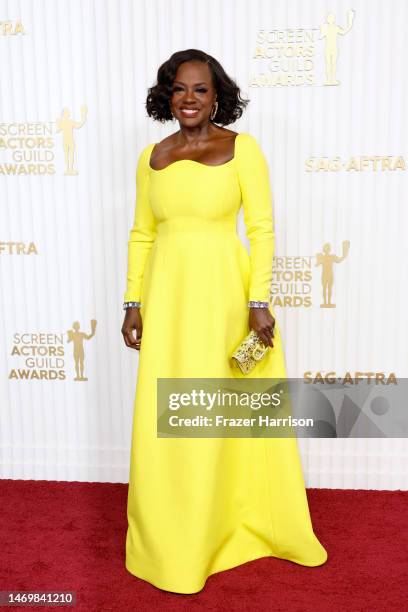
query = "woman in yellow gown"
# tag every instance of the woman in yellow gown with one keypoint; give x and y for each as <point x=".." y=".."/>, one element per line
<point x="197" y="506"/>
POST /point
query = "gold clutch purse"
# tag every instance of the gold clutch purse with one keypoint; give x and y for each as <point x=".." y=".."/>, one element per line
<point x="249" y="352"/>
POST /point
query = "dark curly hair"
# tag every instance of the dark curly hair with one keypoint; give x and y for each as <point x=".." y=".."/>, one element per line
<point x="230" y="102"/>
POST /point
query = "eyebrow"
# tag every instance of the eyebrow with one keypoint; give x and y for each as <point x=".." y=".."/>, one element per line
<point x="200" y="83"/>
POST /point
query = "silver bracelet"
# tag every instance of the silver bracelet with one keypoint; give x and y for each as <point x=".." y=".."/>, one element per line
<point x="256" y="304"/>
<point x="131" y="305"/>
<point x="251" y="304"/>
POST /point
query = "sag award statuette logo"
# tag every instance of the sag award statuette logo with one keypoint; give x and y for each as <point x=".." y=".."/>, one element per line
<point x="29" y="148"/>
<point x="326" y="260"/>
<point x="294" y="56"/>
<point x="66" y="125"/>
<point x="330" y="31"/>
<point x="43" y="354"/>
<point x="77" y="338"/>
<point x="294" y="283"/>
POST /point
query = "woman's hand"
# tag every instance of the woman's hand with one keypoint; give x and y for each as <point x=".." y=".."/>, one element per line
<point x="261" y="321"/>
<point x="132" y="320"/>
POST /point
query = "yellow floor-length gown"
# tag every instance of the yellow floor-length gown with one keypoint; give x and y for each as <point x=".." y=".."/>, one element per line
<point x="197" y="506"/>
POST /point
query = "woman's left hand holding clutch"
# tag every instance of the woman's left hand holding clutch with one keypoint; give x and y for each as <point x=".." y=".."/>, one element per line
<point x="263" y="323"/>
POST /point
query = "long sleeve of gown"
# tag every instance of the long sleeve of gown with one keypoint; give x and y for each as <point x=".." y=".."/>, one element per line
<point x="143" y="232"/>
<point x="256" y="195"/>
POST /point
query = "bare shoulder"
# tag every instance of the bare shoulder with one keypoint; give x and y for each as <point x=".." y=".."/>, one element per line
<point x="164" y="145"/>
<point x="226" y="133"/>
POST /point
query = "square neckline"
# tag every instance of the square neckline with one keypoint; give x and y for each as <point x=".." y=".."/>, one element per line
<point x="194" y="161"/>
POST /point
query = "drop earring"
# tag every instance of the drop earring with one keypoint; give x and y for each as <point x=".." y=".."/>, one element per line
<point x="214" y="111"/>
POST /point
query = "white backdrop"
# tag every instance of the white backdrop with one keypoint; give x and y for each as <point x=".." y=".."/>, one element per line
<point x="72" y="124"/>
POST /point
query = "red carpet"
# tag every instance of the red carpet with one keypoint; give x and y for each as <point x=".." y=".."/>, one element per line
<point x="71" y="536"/>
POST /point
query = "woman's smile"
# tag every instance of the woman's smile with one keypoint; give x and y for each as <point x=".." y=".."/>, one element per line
<point x="189" y="112"/>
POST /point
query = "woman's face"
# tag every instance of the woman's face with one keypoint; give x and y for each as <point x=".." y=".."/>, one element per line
<point x="193" y="91"/>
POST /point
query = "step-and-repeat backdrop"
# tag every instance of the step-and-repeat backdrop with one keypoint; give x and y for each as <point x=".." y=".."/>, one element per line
<point x="327" y="84"/>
